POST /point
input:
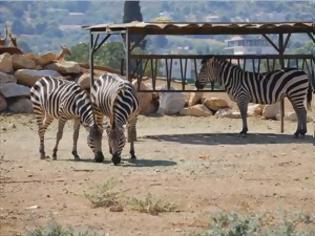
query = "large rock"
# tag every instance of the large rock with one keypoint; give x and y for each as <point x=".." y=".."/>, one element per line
<point x="291" y="116"/>
<point x="14" y="90"/>
<point x="3" y="103"/>
<point x="84" y="81"/>
<point x="29" y="77"/>
<point x="271" y="111"/>
<point x="21" y="105"/>
<point x="6" y="63"/>
<point x="224" y="113"/>
<point x="195" y="98"/>
<point x="148" y="101"/>
<point x="196" y="110"/>
<point x="22" y="62"/>
<point x="65" y="67"/>
<point x="255" y="110"/>
<point x="6" y="78"/>
<point x="171" y="103"/>
<point x="216" y="104"/>
<point x="46" y="58"/>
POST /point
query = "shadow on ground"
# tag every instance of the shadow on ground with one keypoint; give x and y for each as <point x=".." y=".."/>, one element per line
<point x="130" y="162"/>
<point x="147" y="163"/>
<point x="230" y="138"/>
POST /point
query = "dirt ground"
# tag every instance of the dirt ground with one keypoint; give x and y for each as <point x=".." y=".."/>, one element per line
<point x="200" y="164"/>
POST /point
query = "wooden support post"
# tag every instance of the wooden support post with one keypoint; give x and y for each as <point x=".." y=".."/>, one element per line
<point x="281" y="51"/>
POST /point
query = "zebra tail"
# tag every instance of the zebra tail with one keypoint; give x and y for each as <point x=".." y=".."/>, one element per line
<point x="309" y="97"/>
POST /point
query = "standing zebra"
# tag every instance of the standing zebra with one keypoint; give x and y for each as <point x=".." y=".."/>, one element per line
<point x="64" y="100"/>
<point x="266" y="88"/>
<point x="115" y="98"/>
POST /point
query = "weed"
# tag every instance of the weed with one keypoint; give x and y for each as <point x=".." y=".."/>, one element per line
<point x="151" y="205"/>
<point x="54" y="229"/>
<point x="103" y="195"/>
<point x="234" y="224"/>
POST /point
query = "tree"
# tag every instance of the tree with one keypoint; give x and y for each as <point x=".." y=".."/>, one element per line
<point x="132" y="11"/>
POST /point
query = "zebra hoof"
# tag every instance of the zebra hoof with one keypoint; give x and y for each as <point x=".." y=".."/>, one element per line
<point x="116" y="159"/>
<point x="99" y="157"/>
<point x="133" y="157"/>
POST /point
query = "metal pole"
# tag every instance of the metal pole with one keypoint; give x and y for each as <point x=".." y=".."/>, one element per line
<point x="91" y="61"/>
<point x="281" y="52"/>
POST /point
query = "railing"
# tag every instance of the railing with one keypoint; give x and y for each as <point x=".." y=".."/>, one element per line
<point x="152" y="65"/>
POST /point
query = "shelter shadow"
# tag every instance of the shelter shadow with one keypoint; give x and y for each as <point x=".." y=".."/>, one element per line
<point x="231" y="138"/>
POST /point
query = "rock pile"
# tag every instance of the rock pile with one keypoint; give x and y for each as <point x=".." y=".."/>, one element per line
<point x="18" y="72"/>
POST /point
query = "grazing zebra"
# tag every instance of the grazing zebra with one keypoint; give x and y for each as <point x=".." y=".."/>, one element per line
<point x="266" y="88"/>
<point x="115" y="98"/>
<point x="65" y="100"/>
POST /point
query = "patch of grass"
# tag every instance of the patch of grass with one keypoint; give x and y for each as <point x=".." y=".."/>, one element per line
<point x="234" y="224"/>
<point x="152" y="205"/>
<point x="54" y="229"/>
<point x="103" y="195"/>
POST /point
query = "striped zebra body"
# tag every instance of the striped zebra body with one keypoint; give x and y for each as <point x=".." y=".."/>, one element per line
<point x="54" y="98"/>
<point x="244" y="87"/>
<point x="115" y="98"/>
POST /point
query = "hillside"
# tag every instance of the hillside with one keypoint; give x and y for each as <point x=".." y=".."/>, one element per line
<point x="42" y="26"/>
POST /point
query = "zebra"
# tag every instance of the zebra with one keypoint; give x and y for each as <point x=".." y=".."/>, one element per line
<point x="55" y="98"/>
<point x="115" y="98"/>
<point x="244" y="87"/>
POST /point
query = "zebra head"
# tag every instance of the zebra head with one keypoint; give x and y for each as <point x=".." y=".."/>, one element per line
<point x="94" y="141"/>
<point x="207" y="73"/>
<point x="116" y="141"/>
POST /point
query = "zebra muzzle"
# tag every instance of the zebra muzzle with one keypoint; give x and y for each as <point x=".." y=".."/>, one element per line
<point x="99" y="157"/>
<point x="116" y="158"/>
<point x="198" y="85"/>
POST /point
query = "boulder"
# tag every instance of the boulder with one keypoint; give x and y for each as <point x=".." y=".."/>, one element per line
<point x="21" y="105"/>
<point x="21" y="61"/>
<point x="255" y="109"/>
<point x="148" y="101"/>
<point x="46" y="58"/>
<point x="14" y="90"/>
<point x="271" y="111"/>
<point x="171" y="103"/>
<point x="65" y="67"/>
<point x="6" y="63"/>
<point x="195" y="98"/>
<point x="3" y="103"/>
<point x="291" y="116"/>
<point x="6" y="78"/>
<point x="29" y="77"/>
<point x="216" y="104"/>
<point x="84" y="81"/>
<point x="224" y="113"/>
<point x="196" y="110"/>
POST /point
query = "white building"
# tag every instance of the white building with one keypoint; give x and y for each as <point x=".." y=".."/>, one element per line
<point x="240" y="45"/>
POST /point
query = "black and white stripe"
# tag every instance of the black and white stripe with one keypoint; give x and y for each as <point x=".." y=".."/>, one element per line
<point x="244" y="87"/>
<point x="115" y="98"/>
<point x="55" y="98"/>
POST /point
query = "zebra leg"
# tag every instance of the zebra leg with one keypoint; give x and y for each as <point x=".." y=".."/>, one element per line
<point x="300" y="112"/>
<point x="132" y="136"/>
<point x="43" y="124"/>
<point x="61" y="125"/>
<point x="243" y="110"/>
<point x="76" y="130"/>
<point x="302" y="120"/>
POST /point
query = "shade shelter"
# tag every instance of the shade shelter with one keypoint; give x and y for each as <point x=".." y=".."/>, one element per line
<point x="277" y="34"/>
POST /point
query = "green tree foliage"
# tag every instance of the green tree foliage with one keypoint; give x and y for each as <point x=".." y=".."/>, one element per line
<point x="110" y="54"/>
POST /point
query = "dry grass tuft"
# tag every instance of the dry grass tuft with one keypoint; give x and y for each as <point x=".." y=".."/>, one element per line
<point x="152" y="205"/>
